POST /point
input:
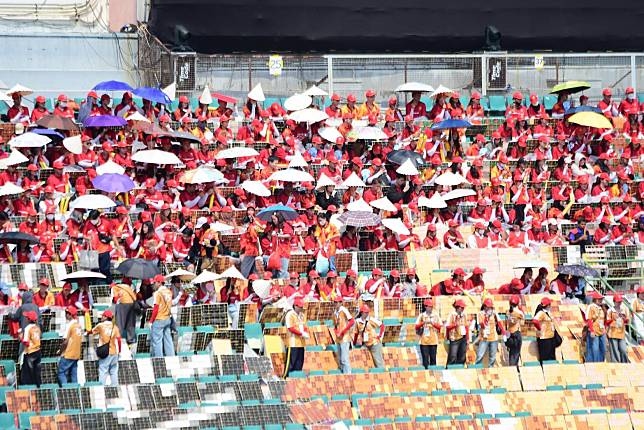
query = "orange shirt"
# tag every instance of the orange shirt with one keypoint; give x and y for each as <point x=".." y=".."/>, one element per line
<point x="293" y="319"/>
<point x="371" y="333"/>
<point x="341" y="320"/>
<point x="124" y="294"/>
<point x="459" y="322"/>
<point x="514" y="320"/>
<point x="31" y="336"/>
<point x="364" y="110"/>
<point x="596" y="314"/>
<point x="163" y="298"/>
<point x="430" y="333"/>
<point x="618" y="321"/>
<point x="108" y="332"/>
<point x="547" y="325"/>
<point x="74" y="336"/>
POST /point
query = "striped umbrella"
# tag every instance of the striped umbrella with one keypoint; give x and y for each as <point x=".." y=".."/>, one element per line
<point x="359" y="219"/>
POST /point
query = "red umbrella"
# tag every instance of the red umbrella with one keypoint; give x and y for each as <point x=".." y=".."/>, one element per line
<point x="224" y="98"/>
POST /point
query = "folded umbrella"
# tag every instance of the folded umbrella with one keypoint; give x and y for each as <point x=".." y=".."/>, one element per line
<point x="359" y="219"/>
<point x="104" y="121"/>
<point x="112" y="86"/>
<point x="57" y="122"/>
<point x="138" y="268"/>
<point x="113" y="183"/>
<point x="289" y="214"/>
<point x="153" y="94"/>
<point x="17" y="237"/>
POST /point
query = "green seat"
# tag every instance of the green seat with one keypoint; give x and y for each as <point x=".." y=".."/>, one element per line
<point x="594" y="386"/>
<point x="293" y="426"/>
<point x="253" y="334"/>
<point x="383" y="421"/>
<point x="138" y="101"/>
<point x="497" y="103"/>
<point x="363" y="422"/>
<point x="424" y="419"/>
<point x="298" y="374"/>
<point x="391" y="321"/>
<point x="249" y="378"/>
<point x="316" y="372"/>
<point x="50" y="103"/>
<point x="554" y="388"/>
<point x="205" y="329"/>
<point x="315" y="348"/>
<point x="8" y="421"/>
<point x="485" y="103"/>
<point x="522" y="414"/>
<point x="456" y="366"/>
<point x="549" y="101"/>
<point x="402" y="419"/>
<point x="503" y="415"/>
<point x="465" y="99"/>
<point x="194" y="103"/>
<point x="272" y="325"/>
<point x="24" y="419"/>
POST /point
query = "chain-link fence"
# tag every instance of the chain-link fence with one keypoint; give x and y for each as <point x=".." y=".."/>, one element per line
<point x="492" y="73"/>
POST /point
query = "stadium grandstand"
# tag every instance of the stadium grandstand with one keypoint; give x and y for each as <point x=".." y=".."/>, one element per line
<point x="214" y="217"/>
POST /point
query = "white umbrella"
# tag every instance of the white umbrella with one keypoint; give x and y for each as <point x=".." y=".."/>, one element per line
<point x="297" y="102"/>
<point x="231" y="272"/>
<point x="329" y="133"/>
<point x="10" y="189"/>
<point x="5" y="98"/>
<point x="291" y="175"/>
<point x="181" y="273"/>
<point x="29" y="140"/>
<point x="450" y="179"/>
<point x="82" y="274"/>
<point x="92" y="201"/>
<point x="371" y="133"/>
<point x="20" y="89"/>
<point x="407" y="168"/>
<point x="297" y="160"/>
<point x="170" y="91"/>
<point x="333" y="122"/>
<point x="262" y="288"/>
<point x="441" y="90"/>
<point x="205" y="276"/>
<point x="530" y="264"/>
<point x="352" y="181"/>
<point x="384" y="204"/>
<point x="256" y="187"/>
<point x="434" y="202"/>
<point x="220" y="226"/>
<point x="458" y="193"/>
<point x="308" y="115"/>
<point x="409" y="87"/>
<point x="257" y="93"/>
<point x="205" y="97"/>
<point x="237" y="152"/>
<point x="74" y="168"/>
<point x="136" y="116"/>
<point x="324" y="181"/>
<point x="73" y="144"/>
<point x="314" y="91"/>
<point x="202" y="175"/>
<point x="16" y="157"/>
<point x="359" y="206"/>
<point x="396" y="225"/>
<point x="155" y="156"/>
<point x="110" y="167"/>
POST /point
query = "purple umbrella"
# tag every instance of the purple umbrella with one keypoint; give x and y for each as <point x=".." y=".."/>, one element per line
<point x="113" y="183"/>
<point x="104" y="121"/>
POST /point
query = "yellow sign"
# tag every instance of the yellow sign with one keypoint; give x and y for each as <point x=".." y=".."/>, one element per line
<point x="539" y="62"/>
<point x="275" y="65"/>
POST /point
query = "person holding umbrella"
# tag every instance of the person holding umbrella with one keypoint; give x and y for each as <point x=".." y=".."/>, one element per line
<point x="596" y="322"/>
<point x="161" y="344"/>
<point x="369" y="332"/>
<point x="428" y="327"/>
<point x="514" y="320"/>
<point x="457" y="330"/>
<point x="343" y="321"/>
<point x="297" y="336"/>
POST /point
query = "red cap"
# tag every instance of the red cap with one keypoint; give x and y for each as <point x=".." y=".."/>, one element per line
<point x="534" y="98"/>
<point x="370" y="93"/>
<point x="459" y="303"/>
<point x="395" y="273"/>
<point x="517" y="95"/>
<point x="43" y="281"/>
<point x="108" y="314"/>
<point x="62" y="98"/>
<point x="607" y="92"/>
<point x="596" y="296"/>
<point x="545" y="301"/>
<point x="393" y="101"/>
<point x="335" y="97"/>
<point x="72" y="310"/>
<point x="295" y="275"/>
<point x="617" y="298"/>
<point x="23" y="287"/>
<point x="477" y="271"/>
<point x="376" y="272"/>
<point x="476" y="96"/>
<point x="411" y="271"/>
<point x="40" y="99"/>
<point x="365" y="308"/>
<point x="459" y="272"/>
<point x="351" y="98"/>
<point x="67" y="286"/>
<point x="488" y="303"/>
<point x="30" y="315"/>
<point x="479" y="226"/>
<point x="253" y="277"/>
<point x="352" y="273"/>
<point x="158" y="278"/>
<point x="431" y="227"/>
<point x="428" y="302"/>
<point x="299" y="302"/>
<point x="314" y="274"/>
<point x="58" y="165"/>
<point x="514" y="300"/>
<point x="183" y="99"/>
<point x="331" y="275"/>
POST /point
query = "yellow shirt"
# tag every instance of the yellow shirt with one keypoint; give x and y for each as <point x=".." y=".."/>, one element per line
<point x="74" y="336"/>
<point x="547" y="325"/>
<point x="365" y="111"/>
<point x="618" y="322"/>
<point x="369" y="330"/>
<point x="430" y="333"/>
<point x="32" y="337"/>
<point x="346" y="109"/>
<point x="293" y="319"/>
<point x="341" y="319"/>
<point x="107" y="332"/>
<point x="514" y="321"/>
<point x="163" y="298"/>
<point x="595" y="313"/>
<point x="638" y="306"/>
<point x="124" y="294"/>
<point x="460" y="323"/>
<point x="49" y="299"/>
<point x="487" y="326"/>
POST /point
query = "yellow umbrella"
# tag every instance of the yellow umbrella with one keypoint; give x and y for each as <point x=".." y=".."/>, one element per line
<point x="590" y="119"/>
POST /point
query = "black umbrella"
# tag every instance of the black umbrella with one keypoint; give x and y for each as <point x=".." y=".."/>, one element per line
<point x="578" y="270"/>
<point x="138" y="268"/>
<point x="17" y="237"/>
<point x="401" y="155"/>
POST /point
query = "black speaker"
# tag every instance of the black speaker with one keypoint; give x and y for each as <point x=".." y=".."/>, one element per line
<point x="181" y="36"/>
<point x="492" y="39"/>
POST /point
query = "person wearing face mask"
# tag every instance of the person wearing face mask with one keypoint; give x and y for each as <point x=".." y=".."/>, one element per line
<point x="480" y="239"/>
<point x="104" y="106"/>
<point x="516" y="109"/>
<point x="40" y="110"/>
<point x="536" y="109"/>
<point x="545" y="326"/>
<point x="629" y="104"/>
<point x="62" y="108"/>
<point x="50" y="225"/>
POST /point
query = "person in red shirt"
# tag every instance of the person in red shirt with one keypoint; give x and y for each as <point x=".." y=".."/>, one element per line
<point x="536" y="109"/>
<point x="349" y="288"/>
<point x="475" y="284"/>
<point x="50" y="224"/>
<point x="516" y="110"/>
<point x="39" y="110"/>
<point x="452" y="238"/>
<point x="415" y="107"/>
<point x="17" y="112"/>
<point x="606" y="104"/>
<point x="630" y="104"/>
<point x="377" y="285"/>
<point x="62" y="109"/>
<point x="349" y="240"/>
<point x="59" y="181"/>
<point x="334" y="110"/>
<point x="66" y="298"/>
<point x="513" y="287"/>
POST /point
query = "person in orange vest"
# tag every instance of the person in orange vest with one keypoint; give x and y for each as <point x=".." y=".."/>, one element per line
<point x="343" y="322"/>
<point x="596" y="322"/>
<point x="457" y="329"/>
<point x="428" y="327"/>
<point x="350" y="107"/>
<point x="514" y="320"/>
<point x="606" y="105"/>
<point x="297" y="337"/>
<point x="369" y="333"/>
<point x="70" y="348"/>
<point x="30" y="372"/>
<point x="108" y="333"/>
<point x="489" y="326"/>
<point x="161" y="344"/>
<point x="369" y="107"/>
<point x="616" y="321"/>
<point x="183" y="110"/>
<point x="393" y="112"/>
<point x="44" y="298"/>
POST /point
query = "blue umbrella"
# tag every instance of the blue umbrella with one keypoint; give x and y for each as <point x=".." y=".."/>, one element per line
<point x="113" y="183"/>
<point x="52" y="134"/>
<point x="153" y="94"/>
<point x="288" y="213"/>
<point x="112" y="86"/>
<point x="104" y="121"/>
<point x="574" y="110"/>
<point x="451" y="123"/>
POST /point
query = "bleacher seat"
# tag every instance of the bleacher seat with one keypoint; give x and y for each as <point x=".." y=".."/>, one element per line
<point x="549" y="101"/>
<point x="497" y="104"/>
